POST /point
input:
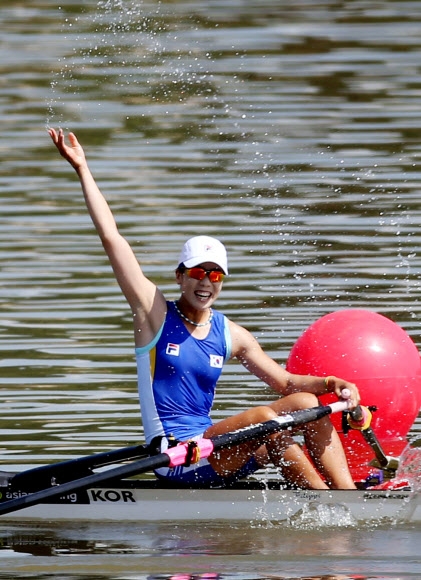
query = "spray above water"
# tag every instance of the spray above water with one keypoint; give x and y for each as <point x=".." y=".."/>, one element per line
<point x="409" y="468"/>
<point x="105" y="50"/>
<point x="121" y="59"/>
<point x="316" y="515"/>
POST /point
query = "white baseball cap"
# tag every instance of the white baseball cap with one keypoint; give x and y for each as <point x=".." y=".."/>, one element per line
<point x="204" y="249"/>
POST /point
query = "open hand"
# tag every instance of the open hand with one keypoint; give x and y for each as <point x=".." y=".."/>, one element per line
<point x="73" y="154"/>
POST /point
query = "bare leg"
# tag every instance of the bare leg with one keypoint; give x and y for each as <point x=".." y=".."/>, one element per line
<point x="325" y="448"/>
<point x="321" y="439"/>
<point x="295" y="466"/>
<point x="281" y="448"/>
<point x="227" y="461"/>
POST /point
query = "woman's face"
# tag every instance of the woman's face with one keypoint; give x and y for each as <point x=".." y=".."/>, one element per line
<point x="199" y="294"/>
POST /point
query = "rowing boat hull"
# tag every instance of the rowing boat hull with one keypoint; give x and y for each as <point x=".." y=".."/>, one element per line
<point x="138" y="500"/>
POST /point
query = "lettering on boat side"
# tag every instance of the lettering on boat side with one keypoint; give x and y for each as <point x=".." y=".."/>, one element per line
<point x="307" y="494"/>
<point x="9" y="495"/>
<point x="70" y="497"/>
<point x="13" y="494"/>
<point x="384" y="495"/>
<point x="112" y="495"/>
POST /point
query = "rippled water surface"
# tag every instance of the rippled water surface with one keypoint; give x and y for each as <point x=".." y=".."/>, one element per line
<point x="288" y="129"/>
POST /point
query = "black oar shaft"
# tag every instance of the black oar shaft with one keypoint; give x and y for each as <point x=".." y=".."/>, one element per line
<point x="262" y="429"/>
<point x="126" y="470"/>
<point x="374" y="443"/>
<point x="32" y="480"/>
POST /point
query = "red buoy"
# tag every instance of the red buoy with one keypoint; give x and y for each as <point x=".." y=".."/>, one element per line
<point x="377" y="355"/>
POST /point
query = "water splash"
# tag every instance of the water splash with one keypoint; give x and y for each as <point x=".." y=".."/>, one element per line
<point x="315" y="515"/>
<point x="410" y="467"/>
<point x="111" y="42"/>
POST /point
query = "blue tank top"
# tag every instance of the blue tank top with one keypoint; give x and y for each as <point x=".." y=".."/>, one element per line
<point x="177" y="376"/>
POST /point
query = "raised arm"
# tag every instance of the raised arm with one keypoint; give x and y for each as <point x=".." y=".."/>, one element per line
<point x="248" y="351"/>
<point x="145" y="299"/>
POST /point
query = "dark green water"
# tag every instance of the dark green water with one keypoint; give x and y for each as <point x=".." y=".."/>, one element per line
<point x="288" y="129"/>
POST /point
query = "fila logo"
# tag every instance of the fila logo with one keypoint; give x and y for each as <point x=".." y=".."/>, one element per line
<point x="216" y="361"/>
<point x="173" y="349"/>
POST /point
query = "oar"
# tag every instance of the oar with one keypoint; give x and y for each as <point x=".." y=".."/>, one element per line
<point x="38" y="478"/>
<point x="360" y="419"/>
<point x="182" y="454"/>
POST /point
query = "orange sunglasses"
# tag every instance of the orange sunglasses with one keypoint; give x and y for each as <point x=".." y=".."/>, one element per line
<point x="200" y="273"/>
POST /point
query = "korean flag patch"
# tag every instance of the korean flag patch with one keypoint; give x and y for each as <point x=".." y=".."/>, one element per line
<point x="216" y="361"/>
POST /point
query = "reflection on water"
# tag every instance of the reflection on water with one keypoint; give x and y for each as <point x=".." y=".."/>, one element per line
<point x="288" y="129"/>
<point x="161" y="550"/>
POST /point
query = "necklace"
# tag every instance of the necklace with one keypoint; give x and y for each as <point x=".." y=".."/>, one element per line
<point x="184" y="317"/>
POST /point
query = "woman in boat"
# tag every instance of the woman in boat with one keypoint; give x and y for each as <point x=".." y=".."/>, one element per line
<point x="181" y="347"/>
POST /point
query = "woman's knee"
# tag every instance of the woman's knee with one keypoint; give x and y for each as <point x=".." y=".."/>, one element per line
<point x="263" y="413"/>
<point x="295" y="402"/>
<point x="305" y="400"/>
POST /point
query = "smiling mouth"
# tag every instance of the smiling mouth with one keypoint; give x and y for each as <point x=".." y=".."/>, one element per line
<point x="203" y="296"/>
